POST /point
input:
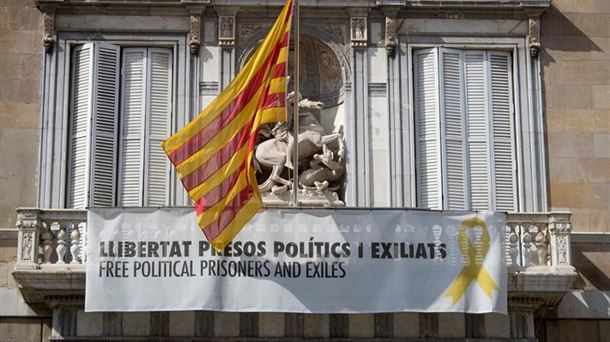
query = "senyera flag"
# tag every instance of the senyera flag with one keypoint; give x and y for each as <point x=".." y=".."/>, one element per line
<point x="213" y="153"/>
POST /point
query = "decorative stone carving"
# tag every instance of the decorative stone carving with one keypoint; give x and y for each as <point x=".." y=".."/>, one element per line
<point x="358" y="31"/>
<point x="534" y="36"/>
<point x="390" y="36"/>
<point x="226" y="30"/>
<point x="48" y="39"/>
<point x="195" y="33"/>
<point x="29" y="225"/>
<point x="321" y="159"/>
<point x="559" y="229"/>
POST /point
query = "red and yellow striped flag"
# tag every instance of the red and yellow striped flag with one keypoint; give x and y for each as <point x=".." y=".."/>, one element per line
<point x="213" y="153"/>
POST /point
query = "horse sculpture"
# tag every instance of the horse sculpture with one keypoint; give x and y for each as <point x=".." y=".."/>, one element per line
<point x="275" y="153"/>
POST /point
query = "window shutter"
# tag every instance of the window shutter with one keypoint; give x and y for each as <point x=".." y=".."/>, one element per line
<point x="502" y="130"/>
<point x="427" y="129"/>
<point x="133" y="101"/>
<point x="91" y="174"/>
<point x="105" y="126"/>
<point x="476" y="109"/>
<point x="82" y="76"/>
<point x="453" y="128"/>
<point x="158" y="126"/>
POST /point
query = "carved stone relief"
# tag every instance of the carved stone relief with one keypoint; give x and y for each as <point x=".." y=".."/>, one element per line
<point x="195" y="33"/>
<point x="48" y="39"/>
<point x="226" y="30"/>
<point x="358" y="31"/>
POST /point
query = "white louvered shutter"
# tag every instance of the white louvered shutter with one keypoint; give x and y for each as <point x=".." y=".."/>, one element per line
<point x="158" y="126"/>
<point x="93" y="139"/>
<point x="133" y="104"/>
<point x="502" y="130"/>
<point x="81" y="96"/>
<point x="427" y="129"/>
<point x="476" y="112"/>
<point x="453" y="128"/>
<point x="105" y="126"/>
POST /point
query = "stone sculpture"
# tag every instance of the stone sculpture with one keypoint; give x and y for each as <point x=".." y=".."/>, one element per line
<point x="321" y="163"/>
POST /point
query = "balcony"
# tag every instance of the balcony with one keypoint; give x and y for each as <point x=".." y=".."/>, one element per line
<point x="52" y="243"/>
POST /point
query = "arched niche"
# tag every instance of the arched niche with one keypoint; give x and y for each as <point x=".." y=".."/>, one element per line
<point x="324" y="71"/>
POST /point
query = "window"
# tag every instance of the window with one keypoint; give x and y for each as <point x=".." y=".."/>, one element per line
<point x="464" y="129"/>
<point x="121" y="105"/>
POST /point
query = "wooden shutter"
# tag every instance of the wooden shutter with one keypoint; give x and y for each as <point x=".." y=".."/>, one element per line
<point x="501" y="115"/>
<point x="145" y="115"/>
<point x="93" y="138"/>
<point x="133" y="100"/>
<point x="80" y="111"/>
<point x="453" y="130"/>
<point x="476" y="112"/>
<point x="427" y="129"/>
<point x="105" y="126"/>
<point x="158" y="126"/>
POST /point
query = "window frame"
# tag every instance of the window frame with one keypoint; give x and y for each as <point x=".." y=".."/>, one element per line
<point x="55" y="119"/>
<point x="530" y="160"/>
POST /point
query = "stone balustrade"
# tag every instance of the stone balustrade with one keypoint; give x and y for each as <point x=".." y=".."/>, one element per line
<point x="538" y="242"/>
<point x="535" y="242"/>
<point x="51" y="236"/>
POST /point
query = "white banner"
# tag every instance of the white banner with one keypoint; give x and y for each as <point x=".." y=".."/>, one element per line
<point x="311" y="261"/>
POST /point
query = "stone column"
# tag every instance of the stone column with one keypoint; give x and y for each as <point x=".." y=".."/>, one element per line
<point x="358" y="121"/>
<point x="226" y="40"/>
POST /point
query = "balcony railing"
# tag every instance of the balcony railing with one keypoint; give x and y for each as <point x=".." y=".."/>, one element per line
<point x="535" y="242"/>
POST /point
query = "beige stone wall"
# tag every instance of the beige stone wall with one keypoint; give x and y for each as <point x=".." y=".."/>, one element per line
<point x="20" y="75"/>
<point x="576" y="68"/>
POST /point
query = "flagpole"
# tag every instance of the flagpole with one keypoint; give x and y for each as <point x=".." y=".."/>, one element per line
<point x="295" y="117"/>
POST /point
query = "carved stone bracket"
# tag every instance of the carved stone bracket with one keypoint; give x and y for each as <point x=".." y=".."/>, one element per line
<point x="48" y="39"/>
<point x="390" y="30"/>
<point x="195" y="27"/>
<point x="534" y="36"/>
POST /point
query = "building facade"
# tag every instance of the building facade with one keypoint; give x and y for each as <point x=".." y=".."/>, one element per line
<point x="460" y="105"/>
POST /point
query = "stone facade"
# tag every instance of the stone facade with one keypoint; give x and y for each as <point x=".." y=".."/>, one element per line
<point x="570" y="43"/>
<point x="575" y="42"/>
<point x="20" y="98"/>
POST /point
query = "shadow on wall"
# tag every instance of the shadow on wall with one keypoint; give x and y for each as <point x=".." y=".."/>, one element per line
<point x="559" y="35"/>
<point x="587" y="259"/>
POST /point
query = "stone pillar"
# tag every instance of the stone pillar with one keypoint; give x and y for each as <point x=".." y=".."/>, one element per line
<point x="358" y="130"/>
<point x="226" y="40"/>
<point x="559" y="230"/>
<point x="29" y="225"/>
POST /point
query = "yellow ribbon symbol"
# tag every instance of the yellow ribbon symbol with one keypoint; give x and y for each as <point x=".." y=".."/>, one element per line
<point x="475" y="256"/>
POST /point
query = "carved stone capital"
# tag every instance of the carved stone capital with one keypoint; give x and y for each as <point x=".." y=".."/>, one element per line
<point x="48" y="39"/>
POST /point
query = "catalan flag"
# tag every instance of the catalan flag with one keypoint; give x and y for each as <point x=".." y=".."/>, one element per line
<point x="213" y="153"/>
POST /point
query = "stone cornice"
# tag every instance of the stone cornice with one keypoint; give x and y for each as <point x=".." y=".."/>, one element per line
<point x="530" y="7"/>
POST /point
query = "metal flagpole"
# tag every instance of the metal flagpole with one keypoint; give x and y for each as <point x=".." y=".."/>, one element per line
<point x="295" y="116"/>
